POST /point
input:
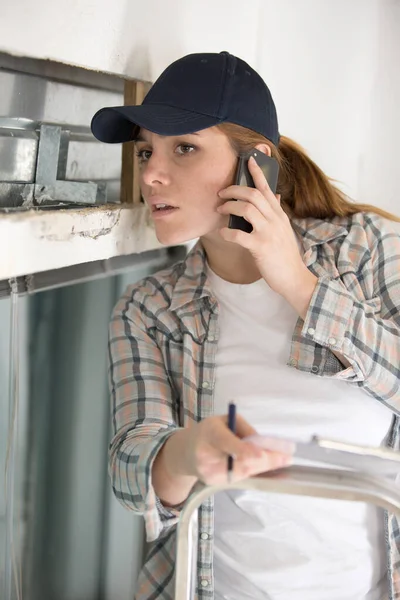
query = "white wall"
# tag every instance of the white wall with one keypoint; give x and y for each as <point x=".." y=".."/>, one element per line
<point x="333" y="68"/>
<point x="131" y="37"/>
<point x="320" y="61"/>
<point x="379" y="156"/>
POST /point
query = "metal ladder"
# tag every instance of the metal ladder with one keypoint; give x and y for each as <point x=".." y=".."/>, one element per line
<point x="313" y="481"/>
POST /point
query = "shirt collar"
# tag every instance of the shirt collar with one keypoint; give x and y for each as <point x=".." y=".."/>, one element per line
<point x="192" y="283"/>
<point x="318" y="231"/>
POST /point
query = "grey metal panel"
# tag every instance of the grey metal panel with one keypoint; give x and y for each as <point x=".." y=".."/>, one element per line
<point x="17" y="158"/>
<point x="43" y="100"/>
<point x="91" y="161"/>
<point x="33" y="100"/>
<point x="4" y="407"/>
<point x="63" y="154"/>
<point x="48" y="280"/>
<point x="80" y="542"/>
<point x="66" y="191"/>
<point x="79" y="443"/>
<point x="47" y="163"/>
<point x="47" y="187"/>
<point x="81" y="160"/>
<point x="20" y="432"/>
<point x="68" y="445"/>
<point x="16" y="194"/>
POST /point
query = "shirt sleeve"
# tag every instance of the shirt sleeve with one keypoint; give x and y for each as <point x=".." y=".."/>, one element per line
<point x="144" y="414"/>
<point x="366" y="333"/>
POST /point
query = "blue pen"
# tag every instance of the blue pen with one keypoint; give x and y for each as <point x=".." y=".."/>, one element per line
<point x="232" y="427"/>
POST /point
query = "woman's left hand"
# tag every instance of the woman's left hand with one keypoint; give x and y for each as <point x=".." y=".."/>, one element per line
<point x="272" y="242"/>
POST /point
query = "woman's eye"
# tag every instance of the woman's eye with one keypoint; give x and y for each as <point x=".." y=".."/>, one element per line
<point x="185" y="148"/>
<point x="143" y="155"/>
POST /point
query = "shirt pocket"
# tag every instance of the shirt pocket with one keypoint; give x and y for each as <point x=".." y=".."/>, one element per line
<point x="359" y="284"/>
<point x="373" y="304"/>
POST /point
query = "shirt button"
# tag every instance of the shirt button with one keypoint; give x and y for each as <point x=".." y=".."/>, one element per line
<point x="332" y="341"/>
<point x="211" y="338"/>
<point x="205" y="384"/>
<point x="311" y="330"/>
<point x="204" y="583"/>
<point x="204" y="536"/>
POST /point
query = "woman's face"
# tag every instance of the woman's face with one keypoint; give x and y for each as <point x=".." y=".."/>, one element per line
<point x="185" y="172"/>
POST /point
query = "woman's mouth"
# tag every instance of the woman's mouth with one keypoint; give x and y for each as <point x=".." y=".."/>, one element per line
<point x="162" y="210"/>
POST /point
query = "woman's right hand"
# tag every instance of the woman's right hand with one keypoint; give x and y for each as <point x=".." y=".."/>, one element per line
<point x="200" y="452"/>
<point x="210" y="442"/>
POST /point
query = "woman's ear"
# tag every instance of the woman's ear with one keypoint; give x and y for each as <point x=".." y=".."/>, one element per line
<point x="264" y="148"/>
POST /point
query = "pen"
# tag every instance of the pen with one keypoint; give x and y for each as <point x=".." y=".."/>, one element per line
<point x="232" y="427"/>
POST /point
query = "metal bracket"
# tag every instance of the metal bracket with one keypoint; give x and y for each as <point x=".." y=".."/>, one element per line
<point x="53" y="143"/>
<point x="49" y="187"/>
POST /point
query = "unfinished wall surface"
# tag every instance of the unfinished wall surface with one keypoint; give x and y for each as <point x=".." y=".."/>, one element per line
<point x="332" y="66"/>
<point x="128" y="37"/>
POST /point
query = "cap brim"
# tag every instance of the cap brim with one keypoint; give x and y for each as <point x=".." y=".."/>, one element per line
<point x="121" y="123"/>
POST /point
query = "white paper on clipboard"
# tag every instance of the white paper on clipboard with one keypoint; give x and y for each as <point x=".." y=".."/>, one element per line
<point x="384" y="462"/>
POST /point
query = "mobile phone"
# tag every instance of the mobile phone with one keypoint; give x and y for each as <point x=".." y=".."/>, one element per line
<point x="269" y="167"/>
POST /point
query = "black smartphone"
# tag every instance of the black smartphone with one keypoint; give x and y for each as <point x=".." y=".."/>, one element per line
<point x="269" y="167"/>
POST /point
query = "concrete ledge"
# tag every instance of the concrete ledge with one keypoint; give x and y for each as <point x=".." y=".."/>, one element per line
<point x="39" y="240"/>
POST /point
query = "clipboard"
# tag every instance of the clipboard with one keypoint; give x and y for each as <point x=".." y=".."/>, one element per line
<point x="381" y="461"/>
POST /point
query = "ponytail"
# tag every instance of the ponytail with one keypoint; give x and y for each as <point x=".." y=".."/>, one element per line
<point x="304" y="188"/>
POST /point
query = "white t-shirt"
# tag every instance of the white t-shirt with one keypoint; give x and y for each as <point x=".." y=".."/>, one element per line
<point x="276" y="546"/>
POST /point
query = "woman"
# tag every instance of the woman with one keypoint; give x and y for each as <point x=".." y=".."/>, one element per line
<point x="297" y="321"/>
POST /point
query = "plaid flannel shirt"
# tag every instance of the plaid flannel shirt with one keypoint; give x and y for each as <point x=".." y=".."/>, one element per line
<point x="162" y="345"/>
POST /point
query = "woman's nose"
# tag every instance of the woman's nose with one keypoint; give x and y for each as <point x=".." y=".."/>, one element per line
<point x="155" y="170"/>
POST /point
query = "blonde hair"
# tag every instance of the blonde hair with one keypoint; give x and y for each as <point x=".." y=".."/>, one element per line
<point x="304" y="188"/>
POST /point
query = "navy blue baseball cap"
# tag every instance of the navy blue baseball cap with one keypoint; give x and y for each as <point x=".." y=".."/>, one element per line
<point x="193" y="93"/>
